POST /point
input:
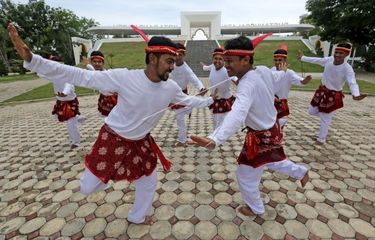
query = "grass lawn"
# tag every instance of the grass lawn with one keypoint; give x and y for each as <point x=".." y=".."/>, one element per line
<point x="23" y="77"/>
<point x="264" y="55"/>
<point x="128" y="54"/>
<point x="364" y="87"/>
<point x="131" y="55"/>
<point x="45" y="92"/>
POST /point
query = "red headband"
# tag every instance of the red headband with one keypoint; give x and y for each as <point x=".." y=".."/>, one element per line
<point x="161" y="49"/>
<point x="342" y="49"/>
<point x="239" y="52"/>
<point x="217" y="53"/>
<point x="280" y="55"/>
<point x="98" y="57"/>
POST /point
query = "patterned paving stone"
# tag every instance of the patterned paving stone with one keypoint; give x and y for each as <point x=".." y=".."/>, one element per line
<point x="52" y="227"/>
<point x="39" y="182"/>
<point x="274" y="229"/>
<point x="286" y="211"/>
<point x="341" y="228"/>
<point x="116" y="228"/>
<point x="319" y="229"/>
<point x="32" y="225"/>
<point x="362" y="227"/>
<point x="183" y="230"/>
<point x="94" y="227"/>
<point x="249" y="230"/>
<point x="205" y="230"/>
<point x="11" y="225"/>
<point x="184" y="212"/>
<point x="296" y="229"/>
<point x="85" y="209"/>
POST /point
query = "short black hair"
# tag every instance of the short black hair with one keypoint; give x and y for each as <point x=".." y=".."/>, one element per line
<point x="159" y="41"/>
<point x="96" y="53"/>
<point x="218" y="50"/>
<point x="344" y="45"/>
<point x="240" y="43"/>
<point x="281" y="51"/>
<point x="180" y="46"/>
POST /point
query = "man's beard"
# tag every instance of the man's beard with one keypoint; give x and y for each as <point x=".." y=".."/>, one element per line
<point x="164" y="77"/>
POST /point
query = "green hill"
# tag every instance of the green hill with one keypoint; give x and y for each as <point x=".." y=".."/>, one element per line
<point x="131" y="55"/>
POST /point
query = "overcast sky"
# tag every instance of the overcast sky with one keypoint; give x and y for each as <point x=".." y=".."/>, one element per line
<point x="125" y="12"/>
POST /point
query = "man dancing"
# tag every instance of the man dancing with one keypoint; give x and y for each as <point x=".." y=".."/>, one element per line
<point x="283" y="86"/>
<point x="124" y="148"/>
<point x="219" y="77"/>
<point x="183" y="75"/>
<point x="254" y="106"/>
<point x="328" y="97"/>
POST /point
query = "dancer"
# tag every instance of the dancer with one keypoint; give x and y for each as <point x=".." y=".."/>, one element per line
<point x="283" y="86"/>
<point x="328" y="97"/>
<point x="219" y="77"/>
<point x="124" y="149"/>
<point x="107" y="100"/>
<point x="66" y="108"/>
<point x="254" y="106"/>
<point x="183" y="75"/>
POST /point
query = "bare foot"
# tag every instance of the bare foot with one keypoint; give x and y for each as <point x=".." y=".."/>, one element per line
<point x="305" y="179"/>
<point x="245" y="210"/>
<point x="180" y="144"/>
<point x="149" y="220"/>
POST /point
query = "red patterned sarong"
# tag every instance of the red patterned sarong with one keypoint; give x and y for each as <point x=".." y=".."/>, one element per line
<point x="178" y="106"/>
<point x="106" y="103"/>
<point x="327" y="100"/>
<point x="116" y="158"/>
<point x="222" y="105"/>
<point x="65" y="110"/>
<point x="282" y="107"/>
<point x="262" y="147"/>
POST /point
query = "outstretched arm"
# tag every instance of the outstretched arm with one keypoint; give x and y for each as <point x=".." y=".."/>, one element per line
<point x="105" y="81"/>
<point x="22" y="49"/>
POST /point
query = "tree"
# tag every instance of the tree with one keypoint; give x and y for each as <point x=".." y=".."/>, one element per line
<point x="339" y="20"/>
<point x="46" y="29"/>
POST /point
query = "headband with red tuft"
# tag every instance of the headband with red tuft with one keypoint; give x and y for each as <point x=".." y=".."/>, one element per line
<point x="161" y="49"/>
<point x="154" y="49"/>
<point x="242" y="52"/>
<point x="140" y="32"/>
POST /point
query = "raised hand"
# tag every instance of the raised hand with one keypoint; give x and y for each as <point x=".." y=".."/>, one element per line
<point x="85" y="60"/>
<point x="61" y="94"/>
<point x="299" y="54"/>
<point x="360" y="97"/>
<point x="22" y="49"/>
<point x="202" y="142"/>
<point x="306" y="80"/>
<point x="202" y="64"/>
<point x="202" y="92"/>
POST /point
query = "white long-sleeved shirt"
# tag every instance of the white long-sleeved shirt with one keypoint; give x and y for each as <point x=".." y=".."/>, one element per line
<point x="335" y="76"/>
<point x="62" y="87"/>
<point x="183" y="74"/>
<point x="141" y="102"/>
<point x="283" y="86"/>
<point x="91" y="68"/>
<point x="254" y="105"/>
<point x="217" y="77"/>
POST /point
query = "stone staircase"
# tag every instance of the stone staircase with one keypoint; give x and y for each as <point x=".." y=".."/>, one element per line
<point x="199" y="51"/>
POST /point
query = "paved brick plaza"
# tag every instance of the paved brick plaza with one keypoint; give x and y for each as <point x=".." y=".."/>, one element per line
<point x="39" y="180"/>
